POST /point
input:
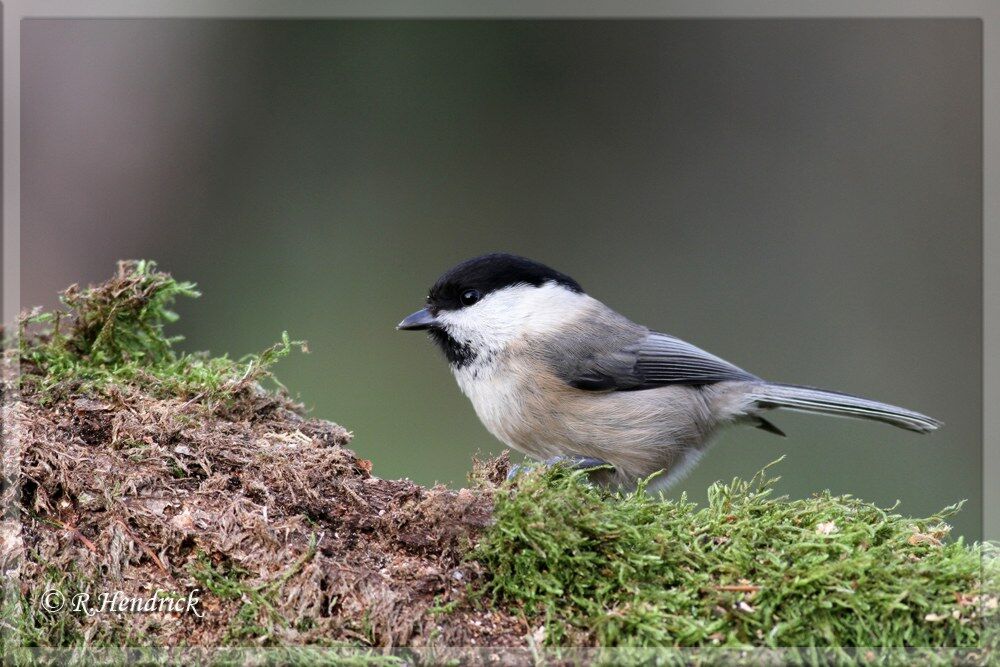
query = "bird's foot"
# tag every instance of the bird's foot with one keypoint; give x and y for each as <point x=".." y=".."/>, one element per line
<point x="515" y="470"/>
<point x="570" y="461"/>
<point x="577" y="462"/>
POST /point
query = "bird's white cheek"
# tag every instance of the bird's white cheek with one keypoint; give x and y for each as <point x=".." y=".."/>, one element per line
<point x="483" y="326"/>
<point x="513" y="313"/>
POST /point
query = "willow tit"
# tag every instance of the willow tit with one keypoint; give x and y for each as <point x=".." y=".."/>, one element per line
<point x="557" y="375"/>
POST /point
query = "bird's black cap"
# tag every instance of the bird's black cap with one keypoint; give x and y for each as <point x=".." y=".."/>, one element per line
<point x="491" y="272"/>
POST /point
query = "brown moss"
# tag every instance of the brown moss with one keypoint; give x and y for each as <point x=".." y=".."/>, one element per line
<point x="137" y="468"/>
<point x="136" y="493"/>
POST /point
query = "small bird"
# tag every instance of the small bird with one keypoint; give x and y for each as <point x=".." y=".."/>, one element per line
<point x="557" y="375"/>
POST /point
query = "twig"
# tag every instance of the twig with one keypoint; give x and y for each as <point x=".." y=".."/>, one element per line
<point x="149" y="552"/>
<point x="74" y="532"/>
<point x="738" y="588"/>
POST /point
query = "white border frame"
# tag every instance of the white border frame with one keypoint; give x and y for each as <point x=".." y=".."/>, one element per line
<point x="14" y="11"/>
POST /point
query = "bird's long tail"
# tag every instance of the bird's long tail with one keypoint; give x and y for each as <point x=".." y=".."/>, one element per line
<point x="810" y="399"/>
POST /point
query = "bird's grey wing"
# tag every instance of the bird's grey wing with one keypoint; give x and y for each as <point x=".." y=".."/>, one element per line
<point x="631" y="360"/>
<point x="663" y="359"/>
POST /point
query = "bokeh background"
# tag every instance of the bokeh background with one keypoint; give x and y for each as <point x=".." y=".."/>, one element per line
<point x="801" y="197"/>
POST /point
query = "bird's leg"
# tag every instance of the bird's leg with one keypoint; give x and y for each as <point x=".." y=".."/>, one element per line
<point x="570" y="461"/>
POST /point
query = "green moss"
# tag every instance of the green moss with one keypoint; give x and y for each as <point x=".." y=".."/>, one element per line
<point x="27" y="621"/>
<point x="112" y="335"/>
<point x="749" y="569"/>
<point x="257" y="621"/>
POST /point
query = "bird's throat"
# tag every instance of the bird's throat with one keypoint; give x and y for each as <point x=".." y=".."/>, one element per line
<point x="458" y="354"/>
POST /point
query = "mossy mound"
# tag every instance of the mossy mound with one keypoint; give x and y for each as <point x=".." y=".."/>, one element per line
<point x="142" y="469"/>
<point x="138" y="468"/>
<point x="749" y="569"/>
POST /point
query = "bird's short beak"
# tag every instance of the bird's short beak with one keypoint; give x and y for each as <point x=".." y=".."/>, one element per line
<point x="422" y="319"/>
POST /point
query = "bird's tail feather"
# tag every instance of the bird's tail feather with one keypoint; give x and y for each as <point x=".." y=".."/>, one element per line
<point x="810" y="399"/>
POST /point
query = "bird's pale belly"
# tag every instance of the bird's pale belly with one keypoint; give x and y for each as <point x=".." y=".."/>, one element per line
<point x="637" y="432"/>
<point x="509" y="407"/>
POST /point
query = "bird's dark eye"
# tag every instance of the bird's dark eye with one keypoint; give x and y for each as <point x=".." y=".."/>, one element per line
<point x="470" y="296"/>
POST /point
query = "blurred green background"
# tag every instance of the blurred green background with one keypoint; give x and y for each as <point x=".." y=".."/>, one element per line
<point x="801" y="197"/>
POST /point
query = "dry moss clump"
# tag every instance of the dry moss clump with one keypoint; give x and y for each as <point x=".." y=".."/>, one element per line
<point x="111" y="337"/>
<point x="144" y="469"/>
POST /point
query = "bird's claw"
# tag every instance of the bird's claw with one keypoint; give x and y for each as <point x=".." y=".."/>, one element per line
<point x="572" y="462"/>
<point x="514" y="471"/>
<point x="577" y="462"/>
